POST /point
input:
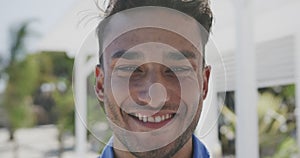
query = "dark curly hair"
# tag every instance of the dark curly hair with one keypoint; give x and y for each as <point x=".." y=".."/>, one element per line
<point x="197" y="9"/>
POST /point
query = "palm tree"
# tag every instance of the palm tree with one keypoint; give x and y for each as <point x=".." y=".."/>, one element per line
<point x="16" y="69"/>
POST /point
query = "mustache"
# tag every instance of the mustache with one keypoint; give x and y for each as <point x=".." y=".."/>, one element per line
<point x="132" y="106"/>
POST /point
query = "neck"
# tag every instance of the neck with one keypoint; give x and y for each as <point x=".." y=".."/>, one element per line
<point x="185" y="151"/>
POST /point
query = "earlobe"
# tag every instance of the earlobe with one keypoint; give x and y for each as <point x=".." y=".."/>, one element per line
<point x="206" y="75"/>
<point x="99" y="90"/>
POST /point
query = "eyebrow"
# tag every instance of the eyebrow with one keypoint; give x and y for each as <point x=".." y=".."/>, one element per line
<point x="181" y="55"/>
<point x="129" y="55"/>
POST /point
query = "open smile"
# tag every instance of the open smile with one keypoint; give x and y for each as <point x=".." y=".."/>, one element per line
<point x="155" y="121"/>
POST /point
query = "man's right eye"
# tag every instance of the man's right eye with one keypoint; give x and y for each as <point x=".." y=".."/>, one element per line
<point x="127" y="70"/>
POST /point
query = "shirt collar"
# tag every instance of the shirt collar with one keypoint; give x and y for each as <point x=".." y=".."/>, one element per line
<point x="199" y="150"/>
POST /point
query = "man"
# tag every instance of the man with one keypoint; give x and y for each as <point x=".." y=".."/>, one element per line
<point x="152" y="76"/>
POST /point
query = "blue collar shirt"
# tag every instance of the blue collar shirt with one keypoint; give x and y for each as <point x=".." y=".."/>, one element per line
<point x="199" y="150"/>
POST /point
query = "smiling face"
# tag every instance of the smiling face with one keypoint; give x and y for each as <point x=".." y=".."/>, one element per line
<point x="152" y="84"/>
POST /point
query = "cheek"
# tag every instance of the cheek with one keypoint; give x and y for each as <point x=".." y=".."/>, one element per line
<point x="117" y="89"/>
<point x="190" y="90"/>
<point x="113" y="111"/>
<point x="190" y="106"/>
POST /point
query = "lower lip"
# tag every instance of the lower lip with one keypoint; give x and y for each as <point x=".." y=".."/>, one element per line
<point x="152" y="125"/>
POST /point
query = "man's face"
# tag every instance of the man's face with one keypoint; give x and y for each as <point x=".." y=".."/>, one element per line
<point x="153" y="84"/>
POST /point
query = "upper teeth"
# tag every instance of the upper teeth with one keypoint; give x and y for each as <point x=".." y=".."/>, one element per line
<point x="155" y="119"/>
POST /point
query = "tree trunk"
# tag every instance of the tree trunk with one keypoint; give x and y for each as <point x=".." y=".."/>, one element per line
<point x="11" y="134"/>
<point x="61" y="144"/>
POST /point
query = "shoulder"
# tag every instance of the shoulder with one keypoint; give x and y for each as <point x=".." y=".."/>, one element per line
<point x="199" y="149"/>
<point x="108" y="151"/>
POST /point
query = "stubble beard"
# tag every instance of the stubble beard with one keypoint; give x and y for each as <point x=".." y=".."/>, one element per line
<point x="167" y="151"/>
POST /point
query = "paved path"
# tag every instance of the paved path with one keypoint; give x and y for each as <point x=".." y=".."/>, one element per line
<point x="38" y="142"/>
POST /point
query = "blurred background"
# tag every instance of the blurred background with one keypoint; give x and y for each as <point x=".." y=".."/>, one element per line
<point x="40" y="39"/>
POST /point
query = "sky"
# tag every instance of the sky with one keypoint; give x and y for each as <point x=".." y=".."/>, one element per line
<point x="46" y="14"/>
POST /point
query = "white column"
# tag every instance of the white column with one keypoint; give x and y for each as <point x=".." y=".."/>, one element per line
<point x="246" y="89"/>
<point x="83" y="69"/>
<point x="297" y="84"/>
<point x="80" y="88"/>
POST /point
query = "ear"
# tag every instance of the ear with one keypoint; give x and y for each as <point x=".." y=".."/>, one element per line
<point x="206" y="75"/>
<point x="99" y="90"/>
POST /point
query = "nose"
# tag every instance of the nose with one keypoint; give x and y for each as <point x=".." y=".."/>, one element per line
<point x="151" y="90"/>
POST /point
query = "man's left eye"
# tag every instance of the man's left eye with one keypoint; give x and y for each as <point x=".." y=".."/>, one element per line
<point x="181" y="70"/>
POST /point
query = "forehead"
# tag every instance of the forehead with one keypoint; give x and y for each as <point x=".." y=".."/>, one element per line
<point x="149" y="39"/>
<point x="152" y="17"/>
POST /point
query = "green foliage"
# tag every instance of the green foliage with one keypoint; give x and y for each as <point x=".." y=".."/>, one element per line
<point x="286" y="149"/>
<point x="56" y="68"/>
<point x="22" y="74"/>
<point x="21" y="116"/>
<point x="276" y="106"/>
<point x="64" y="110"/>
<point x="17" y="98"/>
<point x="227" y="129"/>
<point x="26" y="73"/>
<point x="26" y="78"/>
<point x="277" y="120"/>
